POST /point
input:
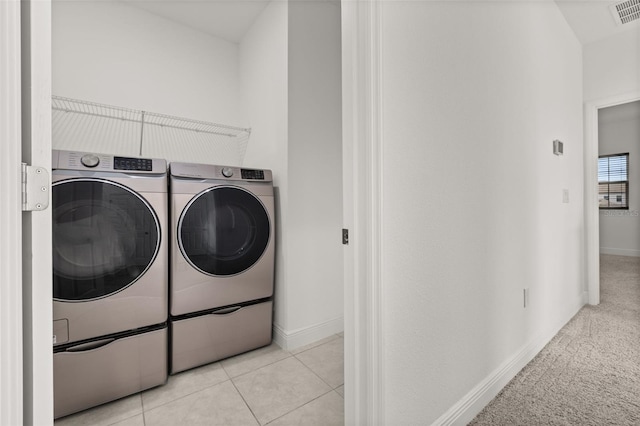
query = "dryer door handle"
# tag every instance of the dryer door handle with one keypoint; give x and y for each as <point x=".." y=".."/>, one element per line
<point x="89" y="346"/>
<point x="227" y="311"/>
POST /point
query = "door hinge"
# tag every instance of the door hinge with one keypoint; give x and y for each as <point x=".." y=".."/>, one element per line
<point x="345" y="236"/>
<point x="35" y="188"/>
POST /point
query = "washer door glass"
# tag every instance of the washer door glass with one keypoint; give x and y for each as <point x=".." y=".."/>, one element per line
<point x="105" y="236"/>
<point x="223" y="231"/>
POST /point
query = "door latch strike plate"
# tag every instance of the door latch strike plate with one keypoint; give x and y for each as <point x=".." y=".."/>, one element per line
<point x="345" y="236"/>
<point x="35" y="188"/>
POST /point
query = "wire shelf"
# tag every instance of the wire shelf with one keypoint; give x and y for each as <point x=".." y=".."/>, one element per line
<point x="88" y="126"/>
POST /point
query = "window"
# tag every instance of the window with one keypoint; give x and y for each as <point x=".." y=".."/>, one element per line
<point x="613" y="181"/>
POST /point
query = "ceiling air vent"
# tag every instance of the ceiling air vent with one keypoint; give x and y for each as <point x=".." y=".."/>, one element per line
<point x="626" y="11"/>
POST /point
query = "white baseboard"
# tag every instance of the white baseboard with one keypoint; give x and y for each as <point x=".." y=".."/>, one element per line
<point x="289" y="340"/>
<point x="473" y="402"/>
<point x="619" y="252"/>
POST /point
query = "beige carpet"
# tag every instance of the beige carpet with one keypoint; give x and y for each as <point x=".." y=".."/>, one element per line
<point x="589" y="374"/>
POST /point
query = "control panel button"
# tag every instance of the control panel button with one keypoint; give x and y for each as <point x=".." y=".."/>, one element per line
<point x="227" y="172"/>
<point x="90" y="160"/>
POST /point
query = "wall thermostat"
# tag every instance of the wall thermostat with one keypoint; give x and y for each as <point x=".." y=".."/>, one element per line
<point x="558" y="147"/>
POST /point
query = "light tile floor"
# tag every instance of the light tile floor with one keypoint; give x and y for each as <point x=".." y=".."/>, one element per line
<point x="266" y="386"/>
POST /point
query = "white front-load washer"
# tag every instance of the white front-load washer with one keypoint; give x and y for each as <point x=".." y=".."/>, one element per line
<point x="110" y="277"/>
<point x="222" y="261"/>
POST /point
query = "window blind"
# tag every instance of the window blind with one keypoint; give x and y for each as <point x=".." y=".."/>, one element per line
<point x="613" y="181"/>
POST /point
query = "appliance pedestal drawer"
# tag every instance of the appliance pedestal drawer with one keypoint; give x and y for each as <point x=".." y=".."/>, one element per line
<point x="219" y="334"/>
<point x="104" y="370"/>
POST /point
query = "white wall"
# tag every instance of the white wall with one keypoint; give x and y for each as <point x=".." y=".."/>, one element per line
<point x="263" y="74"/>
<point x="291" y="77"/>
<point x="619" y="132"/>
<point x="474" y="93"/>
<point x="314" y="256"/>
<point x="112" y="53"/>
<point x="612" y="66"/>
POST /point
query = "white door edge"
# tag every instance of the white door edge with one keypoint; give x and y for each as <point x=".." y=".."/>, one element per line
<point x="11" y="353"/>
<point x="592" y="212"/>
<point x="37" y="258"/>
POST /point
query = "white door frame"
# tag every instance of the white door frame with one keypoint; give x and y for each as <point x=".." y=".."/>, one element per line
<point x="37" y="244"/>
<point x="10" y="216"/>
<point x="362" y="192"/>
<point x="26" y="366"/>
<point x="592" y="212"/>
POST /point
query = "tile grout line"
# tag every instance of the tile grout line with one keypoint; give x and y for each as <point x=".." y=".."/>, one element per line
<point x="317" y="375"/>
<point x="335" y="337"/>
<point x="229" y="378"/>
<point x="299" y="407"/>
<point x="139" y="394"/>
<point x="144" y="417"/>
<point x="331" y="388"/>
<point x="188" y="394"/>
<point x="245" y="402"/>
<point x="262" y="366"/>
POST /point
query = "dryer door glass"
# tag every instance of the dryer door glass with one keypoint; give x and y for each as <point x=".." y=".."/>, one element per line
<point x="223" y="231"/>
<point x="105" y="236"/>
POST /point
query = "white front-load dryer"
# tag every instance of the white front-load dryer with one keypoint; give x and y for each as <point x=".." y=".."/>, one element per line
<point x="222" y="251"/>
<point x="222" y="262"/>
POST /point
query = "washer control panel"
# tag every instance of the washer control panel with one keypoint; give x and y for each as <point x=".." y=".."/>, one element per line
<point x="74" y="160"/>
<point x="128" y="163"/>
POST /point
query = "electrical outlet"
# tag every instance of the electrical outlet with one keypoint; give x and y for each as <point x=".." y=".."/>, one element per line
<point x="525" y="297"/>
<point x="565" y="195"/>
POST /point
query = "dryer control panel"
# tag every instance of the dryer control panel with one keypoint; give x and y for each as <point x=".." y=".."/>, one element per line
<point x="226" y="173"/>
<point x="252" y="174"/>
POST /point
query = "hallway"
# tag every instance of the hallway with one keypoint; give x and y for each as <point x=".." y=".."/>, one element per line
<point x="589" y="374"/>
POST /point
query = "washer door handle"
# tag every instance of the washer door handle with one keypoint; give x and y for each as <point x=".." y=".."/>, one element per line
<point x="89" y="346"/>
